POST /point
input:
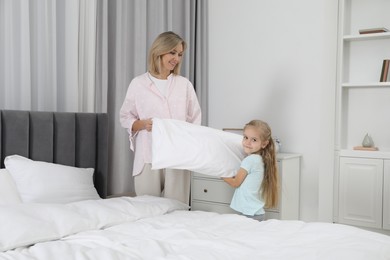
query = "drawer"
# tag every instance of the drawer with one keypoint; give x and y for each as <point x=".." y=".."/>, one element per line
<point x="212" y="207"/>
<point x="211" y="190"/>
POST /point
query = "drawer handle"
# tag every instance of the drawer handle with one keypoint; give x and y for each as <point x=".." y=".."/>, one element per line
<point x="205" y="190"/>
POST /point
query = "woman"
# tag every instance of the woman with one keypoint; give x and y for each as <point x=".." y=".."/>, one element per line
<point x="159" y="93"/>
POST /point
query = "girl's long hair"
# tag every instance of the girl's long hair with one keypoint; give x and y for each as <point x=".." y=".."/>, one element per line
<point x="269" y="188"/>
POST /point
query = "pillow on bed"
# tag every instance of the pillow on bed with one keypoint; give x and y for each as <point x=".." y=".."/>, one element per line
<point x="8" y="192"/>
<point x="180" y="145"/>
<point x="44" y="182"/>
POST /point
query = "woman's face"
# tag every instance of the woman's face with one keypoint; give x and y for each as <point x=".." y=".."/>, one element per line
<point x="251" y="141"/>
<point x="171" y="59"/>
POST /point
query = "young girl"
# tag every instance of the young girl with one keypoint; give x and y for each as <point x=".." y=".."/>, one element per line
<point x="256" y="181"/>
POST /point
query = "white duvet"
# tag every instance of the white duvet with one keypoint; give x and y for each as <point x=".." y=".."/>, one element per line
<point x="157" y="228"/>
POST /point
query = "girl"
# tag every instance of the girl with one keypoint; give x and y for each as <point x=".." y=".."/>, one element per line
<point x="256" y="181"/>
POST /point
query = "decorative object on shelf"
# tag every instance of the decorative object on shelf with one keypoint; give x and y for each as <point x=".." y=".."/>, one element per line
<point x="373" y="30"/>
<point x="367" y="144"/>
<point x="278" y="144"/>
<point x="367" y="141"/>
<point x="385" y="70"/>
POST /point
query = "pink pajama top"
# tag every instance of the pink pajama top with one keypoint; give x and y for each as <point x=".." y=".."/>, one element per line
<point x="143" y="100"/>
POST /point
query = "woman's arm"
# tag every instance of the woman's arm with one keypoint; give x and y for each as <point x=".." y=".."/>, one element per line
<point x="128" y="114"/>
<point x="238" y="179"/>
<point x="140" y="124"/>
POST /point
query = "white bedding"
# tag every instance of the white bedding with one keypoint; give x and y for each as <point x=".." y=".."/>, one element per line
<point x="156" y="228"/>
<point x="181" y="145"/>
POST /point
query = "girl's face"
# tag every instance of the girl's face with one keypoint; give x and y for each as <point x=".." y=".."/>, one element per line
<point x="170" y="60"/>
<point x="251" y="141"/>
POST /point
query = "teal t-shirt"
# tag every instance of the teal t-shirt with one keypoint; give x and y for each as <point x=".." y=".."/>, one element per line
<point x="246" y="198"/>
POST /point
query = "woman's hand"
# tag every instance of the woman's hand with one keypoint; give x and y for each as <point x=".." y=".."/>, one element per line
<point x="148" y="124"/>
<point x="143" y="124"/>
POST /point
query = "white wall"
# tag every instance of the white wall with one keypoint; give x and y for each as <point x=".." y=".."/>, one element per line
<point x="276" y="61"/>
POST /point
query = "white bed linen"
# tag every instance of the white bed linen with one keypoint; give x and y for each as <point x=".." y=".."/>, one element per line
<point x="157" y="228"/>
<point x="181" y="145"/>
<point x="45" y="182"/>
<point x="8" y="191"/>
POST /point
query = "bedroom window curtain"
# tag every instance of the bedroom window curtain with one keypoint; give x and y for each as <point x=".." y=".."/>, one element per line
<point x="47" y="55"/>
<point x="80" y="56"/>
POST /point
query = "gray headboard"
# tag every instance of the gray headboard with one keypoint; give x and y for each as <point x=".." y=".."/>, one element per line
<point x="74" y="139"/>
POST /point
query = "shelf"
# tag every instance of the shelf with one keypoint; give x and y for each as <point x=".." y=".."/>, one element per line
<point x="365" y="154"/>
<point x="366" y="85"/>
<point x="364" y="37"/>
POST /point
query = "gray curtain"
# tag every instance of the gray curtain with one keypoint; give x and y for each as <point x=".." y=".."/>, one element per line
<point x="80" y="56"/>
<point x="48" y="55"/>
<point x="126" y="30"/>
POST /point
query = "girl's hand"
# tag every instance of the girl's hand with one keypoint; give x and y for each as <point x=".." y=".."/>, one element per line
<point x="236" y="180"/>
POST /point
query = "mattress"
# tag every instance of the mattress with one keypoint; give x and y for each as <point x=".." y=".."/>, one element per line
<point x="148" y="227"/>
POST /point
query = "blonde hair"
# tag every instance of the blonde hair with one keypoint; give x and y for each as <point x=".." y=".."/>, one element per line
<point x="269" y="188"/>
<point x="163" y="44"/>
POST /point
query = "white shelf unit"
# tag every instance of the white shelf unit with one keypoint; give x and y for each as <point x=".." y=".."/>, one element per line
<point x="363" y="103"/>
<point x="213" y="194"/>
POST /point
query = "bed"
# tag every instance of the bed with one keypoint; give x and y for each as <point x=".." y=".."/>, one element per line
<point x="69" y="217"/>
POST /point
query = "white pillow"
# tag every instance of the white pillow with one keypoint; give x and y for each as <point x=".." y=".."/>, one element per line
<point x="181" y="145"/>
<point x="8" y="192"/>
<point x="44" y="182"/>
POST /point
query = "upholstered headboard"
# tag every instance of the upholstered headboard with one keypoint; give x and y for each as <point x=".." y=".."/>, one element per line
<point x="74" y="139"/>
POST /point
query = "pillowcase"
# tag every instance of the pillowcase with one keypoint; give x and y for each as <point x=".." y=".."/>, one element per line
<point x="8" y="192"/>
<point x="181" y="145"/>
<point x="44" y="182"/>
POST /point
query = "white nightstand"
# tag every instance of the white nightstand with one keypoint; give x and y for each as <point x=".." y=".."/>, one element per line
<point x="213" y="194"/>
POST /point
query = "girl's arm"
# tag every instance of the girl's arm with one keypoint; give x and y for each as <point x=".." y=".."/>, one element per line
<point x="238" y="179"/>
